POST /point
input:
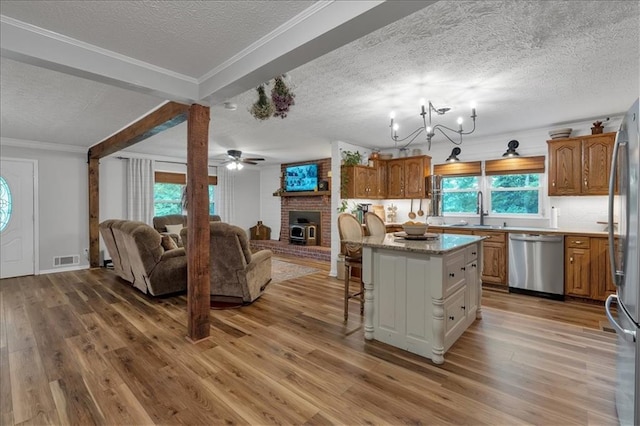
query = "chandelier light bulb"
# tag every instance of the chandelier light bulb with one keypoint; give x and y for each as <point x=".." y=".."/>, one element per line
<point x="239" y="166"/>
<point x="231" y="166"/>
<point x="429" y="129"/>
<point x="392" y="115"/>
<point x="395" y="127"/>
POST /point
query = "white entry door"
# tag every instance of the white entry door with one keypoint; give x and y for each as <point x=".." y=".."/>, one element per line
<point x="17" y="218"/>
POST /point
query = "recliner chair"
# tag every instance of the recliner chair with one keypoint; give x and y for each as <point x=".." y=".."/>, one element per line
<point x="160" y="224"/>
<point x="236" y="273"/>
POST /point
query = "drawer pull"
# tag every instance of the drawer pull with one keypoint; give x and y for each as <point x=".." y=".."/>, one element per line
<point x="474" y="265"/>
<point x="463" y="268"/>
<point x="451" y="317"/>
<point x="463" y="307"/>
<point x="451" y="274"/>
<point x="473" y="253"/>
<point x="577" y="242"/>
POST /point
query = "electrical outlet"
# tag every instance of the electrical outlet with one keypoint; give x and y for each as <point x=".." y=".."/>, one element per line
<point x="86" y="253"/>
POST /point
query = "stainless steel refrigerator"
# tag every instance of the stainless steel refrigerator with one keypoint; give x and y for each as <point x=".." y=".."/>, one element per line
<point x="625" y="258"/>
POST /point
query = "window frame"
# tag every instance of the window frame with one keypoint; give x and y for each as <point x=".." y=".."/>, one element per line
<point x="181" y="179"/>
<point x="539" y="188"/>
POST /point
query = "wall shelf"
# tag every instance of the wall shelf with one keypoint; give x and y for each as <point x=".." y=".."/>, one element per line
<point x="302" y="194"/>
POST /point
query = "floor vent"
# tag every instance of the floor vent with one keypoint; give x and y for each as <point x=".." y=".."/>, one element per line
<point x="66" y="260"/>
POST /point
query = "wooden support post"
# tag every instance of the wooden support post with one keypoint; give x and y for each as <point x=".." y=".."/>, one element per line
<point x="198" y="226"/>
<point x="94" y="213"/>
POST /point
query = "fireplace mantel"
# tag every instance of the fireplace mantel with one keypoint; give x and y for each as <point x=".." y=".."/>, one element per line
<point x="302" y="194"/>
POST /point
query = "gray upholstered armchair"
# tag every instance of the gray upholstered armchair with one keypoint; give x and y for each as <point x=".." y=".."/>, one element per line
<point x="236" y="273"/>
<point x="175" y="222"/>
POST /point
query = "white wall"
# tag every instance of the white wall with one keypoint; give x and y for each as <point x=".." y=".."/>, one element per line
<point x="246" y="198"/>
<point x="63" y="211"/>
<point x="270" y="206"/>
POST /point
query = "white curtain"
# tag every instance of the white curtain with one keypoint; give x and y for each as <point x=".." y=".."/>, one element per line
<point x="224" y="194"/>
<point x="140" y="180"/>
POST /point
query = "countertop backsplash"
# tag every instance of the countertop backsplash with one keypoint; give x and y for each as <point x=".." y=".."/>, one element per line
<point x="581" y="213"/>
<point x="574" y="213"/>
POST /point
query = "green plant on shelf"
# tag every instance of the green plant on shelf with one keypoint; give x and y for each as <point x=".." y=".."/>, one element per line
<point x="351" y="158"/>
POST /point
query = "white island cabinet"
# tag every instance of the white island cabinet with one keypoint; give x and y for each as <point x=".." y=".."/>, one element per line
<point x="420" y="296"/>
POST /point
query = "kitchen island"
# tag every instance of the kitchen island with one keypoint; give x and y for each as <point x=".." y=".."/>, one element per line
<point x="421" y="296"/>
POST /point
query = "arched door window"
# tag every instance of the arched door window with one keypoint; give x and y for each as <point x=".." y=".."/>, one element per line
<point x="5" y="203"/>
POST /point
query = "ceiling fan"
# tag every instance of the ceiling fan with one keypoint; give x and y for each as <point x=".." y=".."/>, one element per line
<point x="235" y="159"/>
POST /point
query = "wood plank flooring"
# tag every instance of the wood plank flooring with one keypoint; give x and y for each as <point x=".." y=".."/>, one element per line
<point x="86" y="348"/>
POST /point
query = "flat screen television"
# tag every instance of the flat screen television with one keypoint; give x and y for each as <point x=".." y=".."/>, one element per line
<point x="303" y="177"/>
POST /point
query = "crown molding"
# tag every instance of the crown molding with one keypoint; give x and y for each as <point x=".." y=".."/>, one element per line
<point x="27" y="43"/>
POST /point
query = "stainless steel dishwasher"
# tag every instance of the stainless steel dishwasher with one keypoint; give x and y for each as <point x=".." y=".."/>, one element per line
<point x="536" y="265"/>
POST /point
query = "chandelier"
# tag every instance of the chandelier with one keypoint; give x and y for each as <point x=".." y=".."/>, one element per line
<point x="429" y="128"/>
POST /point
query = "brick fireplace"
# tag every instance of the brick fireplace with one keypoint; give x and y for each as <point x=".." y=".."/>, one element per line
<point x="296" y="206"/>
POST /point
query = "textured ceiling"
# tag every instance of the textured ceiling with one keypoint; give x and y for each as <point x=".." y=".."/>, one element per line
<point x="187" y="37"/>
<point x="526" y="64"/>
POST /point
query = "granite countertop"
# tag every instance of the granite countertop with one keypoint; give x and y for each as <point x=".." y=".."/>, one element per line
<point x="443" y="244"/>
<point x="515" y="229"/>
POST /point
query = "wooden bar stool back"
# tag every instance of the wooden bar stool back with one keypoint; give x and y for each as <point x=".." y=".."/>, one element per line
<point x="351" y="230"/>
<point x="375" y="225"/>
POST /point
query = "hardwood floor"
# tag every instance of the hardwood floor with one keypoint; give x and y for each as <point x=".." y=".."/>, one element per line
<point x="86" y="348"/>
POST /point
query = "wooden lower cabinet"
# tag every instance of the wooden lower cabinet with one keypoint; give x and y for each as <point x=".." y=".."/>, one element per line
<point x="577" y="272"/>
<point x="587" y="272"/>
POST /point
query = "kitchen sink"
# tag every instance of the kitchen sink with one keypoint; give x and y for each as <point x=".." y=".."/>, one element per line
<point x="488" y="226"/>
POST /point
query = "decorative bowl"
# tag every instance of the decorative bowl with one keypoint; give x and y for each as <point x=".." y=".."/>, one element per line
<point x="560" y="133"/>
<point x="415" y="229"/>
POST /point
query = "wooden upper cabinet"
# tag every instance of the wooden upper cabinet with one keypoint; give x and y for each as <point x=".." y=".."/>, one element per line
<point x="565" y="158"/>
<point x="395" y="178"/>
<point x="581" y="165"/>
<point x="415" y="170"/>
<point x="358" y="182"/>
<point x="405" y="176"/>
<point x="597" y="153"/>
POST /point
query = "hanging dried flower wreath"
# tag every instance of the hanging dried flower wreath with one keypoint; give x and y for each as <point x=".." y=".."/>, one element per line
<point x="263" y="108"/>
<point x="282" y="97"/>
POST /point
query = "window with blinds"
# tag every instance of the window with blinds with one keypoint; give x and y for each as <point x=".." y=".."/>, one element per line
<point x="460" y="186"/>
<point x="515" y="185"/>
<point x="512" y="186"/>
<point x="169" y="193"/>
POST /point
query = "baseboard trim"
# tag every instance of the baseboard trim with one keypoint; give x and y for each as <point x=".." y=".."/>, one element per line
<point x="66" y="269"/>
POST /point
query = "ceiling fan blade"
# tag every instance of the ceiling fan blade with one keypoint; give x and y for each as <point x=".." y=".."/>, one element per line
<point x="254" y="159"/>
<point x="247" y="161"/>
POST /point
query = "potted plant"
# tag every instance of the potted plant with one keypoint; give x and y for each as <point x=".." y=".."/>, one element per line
<point x="350" y="158"/>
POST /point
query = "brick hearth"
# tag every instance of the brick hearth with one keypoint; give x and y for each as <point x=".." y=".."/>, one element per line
<point x="283" y="247"/>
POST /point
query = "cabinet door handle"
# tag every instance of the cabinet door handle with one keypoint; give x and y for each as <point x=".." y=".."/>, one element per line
<point x="463" y="268"/>
<point x="473" y="253"/>
<point x="463" y="307"/>
<point x="585" y="184"/>
<point x="553" y="183"/>
<point x="474" y="265"/>
<point x="571" y="260"/>
<point x="451" y="317"/>
<point x="451" y="274"/>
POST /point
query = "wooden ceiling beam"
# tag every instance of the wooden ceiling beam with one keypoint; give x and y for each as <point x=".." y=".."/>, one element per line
<point x="168" y="115"/>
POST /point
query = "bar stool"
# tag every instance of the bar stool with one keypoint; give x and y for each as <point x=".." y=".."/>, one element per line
<point x="351" y="230"/>
<point x="375" y="225"/>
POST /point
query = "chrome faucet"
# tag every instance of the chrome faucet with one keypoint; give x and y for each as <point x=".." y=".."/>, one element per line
<point x="481" y="211"/>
